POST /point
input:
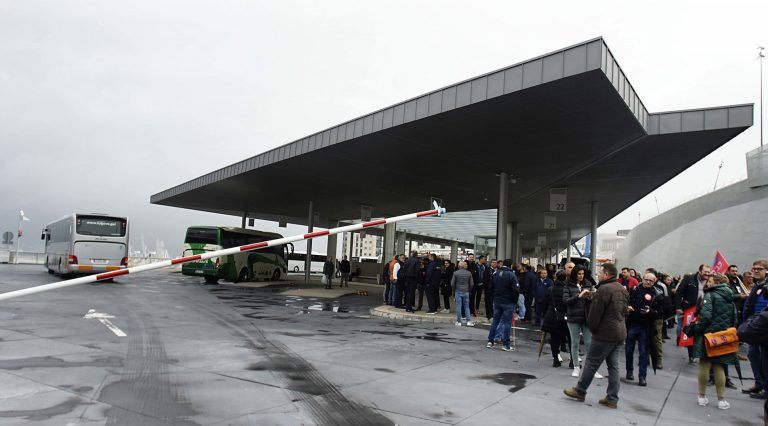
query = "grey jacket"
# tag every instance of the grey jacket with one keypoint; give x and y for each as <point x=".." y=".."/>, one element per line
<point x="462" y="281"/>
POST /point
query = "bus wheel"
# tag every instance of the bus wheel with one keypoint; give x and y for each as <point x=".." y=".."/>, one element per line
<point x="211" y="280"/>
<point x="242" y="276"/>
<point x="276" y="275"/>
<point x="295" y="269"/>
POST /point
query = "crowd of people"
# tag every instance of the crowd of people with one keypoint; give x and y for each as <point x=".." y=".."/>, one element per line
<point x="622" y="310"/>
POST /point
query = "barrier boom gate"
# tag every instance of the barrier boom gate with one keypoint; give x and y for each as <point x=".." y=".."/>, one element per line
<point x="437" y="211"/>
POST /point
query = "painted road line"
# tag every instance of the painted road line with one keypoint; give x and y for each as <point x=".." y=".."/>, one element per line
<point x="103" y="318"/>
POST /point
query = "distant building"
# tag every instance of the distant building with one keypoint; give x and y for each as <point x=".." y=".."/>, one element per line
<point x="367" y="246"/>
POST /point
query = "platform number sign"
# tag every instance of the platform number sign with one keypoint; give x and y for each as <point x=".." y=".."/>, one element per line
<point x="558" y="200"/>
<point x="550" y="222"/>
<point x="7" y="237"/>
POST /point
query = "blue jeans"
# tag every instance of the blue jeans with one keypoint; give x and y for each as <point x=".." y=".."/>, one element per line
<point x="502" y="315"/>
<point x="576" y="330"/>
<point x="754" y="356"/>
<point x="392" y="292"/>
<point x="598" y="352"/>
<point x="462" y="299"/>
<point x="639" y="334"/>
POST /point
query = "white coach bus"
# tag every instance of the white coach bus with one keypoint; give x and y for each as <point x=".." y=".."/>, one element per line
<point x="86" y="244"/>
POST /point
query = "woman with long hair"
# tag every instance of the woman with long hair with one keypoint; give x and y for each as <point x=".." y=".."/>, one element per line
<point x="554" y="318"/>
<point x="576" y="295"/>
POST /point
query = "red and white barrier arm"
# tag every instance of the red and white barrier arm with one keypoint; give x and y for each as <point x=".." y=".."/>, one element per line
<point x="437" y="211"/>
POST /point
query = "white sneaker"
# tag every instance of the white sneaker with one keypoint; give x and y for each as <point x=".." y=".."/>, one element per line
<point x="703" y="401"/>
<point x="576" y="372"/>
<point x="723" y="404"/>
<point x="598" y="375"/>
<point x="559" y="358"/>
<point x="489" y="345"/>
<point x="470" y="324"/>
<point x="445" y="311"/>
<point x="458" y="324"/>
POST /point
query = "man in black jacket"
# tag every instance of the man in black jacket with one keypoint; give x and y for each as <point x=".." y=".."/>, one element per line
<point x="412" y="268"/>
<point x="526" y="290"/>
<point x="643" y="310"/>
<point x="688" y="294"/>
<point x="344" y="269"/>
<point x="754" y="331"/>
<point x="505" y="297"/>
<point x="755" y="305"/>
<point x="328" y="270"/>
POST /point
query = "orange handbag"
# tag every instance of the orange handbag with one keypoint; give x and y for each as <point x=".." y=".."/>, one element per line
<point x="721" y="343"/>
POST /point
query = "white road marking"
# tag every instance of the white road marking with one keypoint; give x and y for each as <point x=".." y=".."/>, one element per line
<point x="102" y="317"/>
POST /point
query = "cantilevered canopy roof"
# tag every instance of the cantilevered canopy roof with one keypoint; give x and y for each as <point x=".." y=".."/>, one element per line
<point x="568" y="119"/>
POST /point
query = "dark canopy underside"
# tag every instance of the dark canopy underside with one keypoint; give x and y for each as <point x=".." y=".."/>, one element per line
<point x="584" y="129"/>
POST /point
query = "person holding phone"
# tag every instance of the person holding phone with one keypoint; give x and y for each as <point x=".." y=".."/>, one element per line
<point x="643" y="311"/>
<point x="576" y="296"/>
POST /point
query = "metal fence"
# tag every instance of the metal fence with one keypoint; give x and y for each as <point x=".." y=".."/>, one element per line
<point x="25" y="257"/>
<point x="35" y="258"/>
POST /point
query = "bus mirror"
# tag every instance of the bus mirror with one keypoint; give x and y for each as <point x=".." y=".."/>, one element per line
<point x="42" y="236"/>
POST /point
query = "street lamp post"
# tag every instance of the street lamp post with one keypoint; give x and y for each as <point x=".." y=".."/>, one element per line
<point x="760" y="57"/>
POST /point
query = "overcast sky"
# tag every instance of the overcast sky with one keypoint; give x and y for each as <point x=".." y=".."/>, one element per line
<point x="104" y="103"/>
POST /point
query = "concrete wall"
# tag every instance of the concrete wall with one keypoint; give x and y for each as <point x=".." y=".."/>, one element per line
<point x="732" y="220"/>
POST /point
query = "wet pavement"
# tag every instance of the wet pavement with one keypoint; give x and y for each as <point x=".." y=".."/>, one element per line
<point x="199" y="354"/>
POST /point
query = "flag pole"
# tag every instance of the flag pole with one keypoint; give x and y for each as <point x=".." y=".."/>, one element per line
<point x="437" y="211"/>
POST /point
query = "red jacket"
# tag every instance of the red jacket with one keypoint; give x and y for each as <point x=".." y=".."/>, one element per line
<point x="632" y="283"/>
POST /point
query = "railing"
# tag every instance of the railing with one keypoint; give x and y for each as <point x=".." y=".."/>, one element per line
<point x="36" y="258"/>
<point x="25" y="257"/>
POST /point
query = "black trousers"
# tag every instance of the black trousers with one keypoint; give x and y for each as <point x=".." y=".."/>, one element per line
<point x="472" y="297"/>
<point x="399" y="293"/>
<point x="386" y="291"/>
<point x="410" y="292"/>
<point x="556" y="339"/>
<point x="433" y="297"/>
<point x="447" y="299"/>
<point x="421" y="288"/>
<point x="489" y="301"/>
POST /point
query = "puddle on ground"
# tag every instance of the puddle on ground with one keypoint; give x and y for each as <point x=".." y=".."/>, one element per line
<point x="45" y="413"/>
<point x="291" y="334"/>
<point x="53" y="362"/>
<point x="516" y="380"/>
<point x="78" y="389"/>
<point x="435" y="337"/>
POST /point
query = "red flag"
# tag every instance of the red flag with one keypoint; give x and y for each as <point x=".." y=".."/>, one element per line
<point x="688" y="316"/>
<point x="20" y="232"/>
<point x="720" y="265"/>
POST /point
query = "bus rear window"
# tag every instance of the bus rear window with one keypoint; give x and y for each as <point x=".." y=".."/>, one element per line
<point x="202" y="236"/>
<point x="101" y="226"/>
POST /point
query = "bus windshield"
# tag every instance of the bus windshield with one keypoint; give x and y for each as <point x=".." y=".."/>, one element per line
<point x="101" y="226"/>
<point x="202" y="236"/>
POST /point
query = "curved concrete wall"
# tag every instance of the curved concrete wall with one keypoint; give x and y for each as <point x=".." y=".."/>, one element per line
<point x="733" y="220"/>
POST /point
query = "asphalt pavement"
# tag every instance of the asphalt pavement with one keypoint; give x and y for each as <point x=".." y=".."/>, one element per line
<point x="159" y="348"/>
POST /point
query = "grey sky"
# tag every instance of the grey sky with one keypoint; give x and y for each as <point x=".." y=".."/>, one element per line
<point x="103" y="103"/>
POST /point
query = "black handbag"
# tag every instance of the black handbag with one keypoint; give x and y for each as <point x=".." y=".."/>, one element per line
<point x="559" y="315"/>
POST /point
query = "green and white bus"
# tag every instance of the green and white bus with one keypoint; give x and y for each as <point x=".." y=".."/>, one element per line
<point x="269" y="263"/>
